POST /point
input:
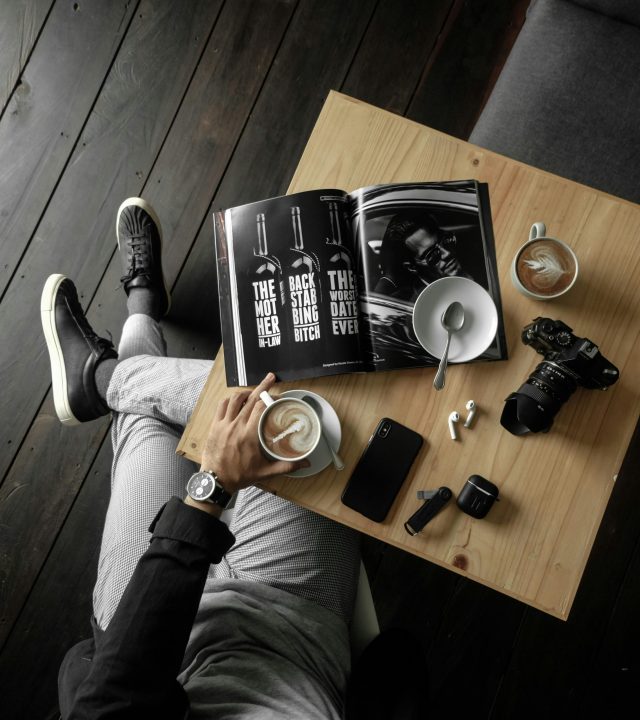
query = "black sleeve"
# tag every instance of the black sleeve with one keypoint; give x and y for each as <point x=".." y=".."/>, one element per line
<point x="138" y="657"/>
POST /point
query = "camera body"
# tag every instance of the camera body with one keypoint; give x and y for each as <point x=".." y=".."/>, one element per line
<point x="569" y="362"/>
<point x="578" y="357"/>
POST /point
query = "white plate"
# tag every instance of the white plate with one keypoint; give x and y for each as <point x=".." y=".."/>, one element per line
<point x="320" y="457"/>
<point x="480" y="318"/>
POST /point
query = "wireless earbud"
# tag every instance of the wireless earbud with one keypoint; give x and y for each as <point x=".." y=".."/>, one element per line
<point x="471" y="407"/>
<point x="453" y="418"/>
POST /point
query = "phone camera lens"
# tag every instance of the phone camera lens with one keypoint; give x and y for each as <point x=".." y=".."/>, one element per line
<point x="384" y="430"/>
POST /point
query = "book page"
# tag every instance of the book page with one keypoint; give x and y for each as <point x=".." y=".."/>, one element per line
<point x="288" y="288"/>
<point x="411" y="235"/>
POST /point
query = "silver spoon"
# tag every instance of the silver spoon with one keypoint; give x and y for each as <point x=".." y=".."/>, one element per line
<point x="337" y="460"/>
<point x="452" y="320"/>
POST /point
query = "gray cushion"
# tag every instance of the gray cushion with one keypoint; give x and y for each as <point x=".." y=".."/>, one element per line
<point x="625" y="10"/>
<point x="568" y="98"/>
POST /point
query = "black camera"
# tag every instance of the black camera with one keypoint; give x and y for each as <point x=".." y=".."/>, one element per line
<point x="569" y="362"/>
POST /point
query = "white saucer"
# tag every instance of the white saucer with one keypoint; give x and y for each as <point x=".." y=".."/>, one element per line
<point x="480" y="318"/>
<point x="320" y="457"/>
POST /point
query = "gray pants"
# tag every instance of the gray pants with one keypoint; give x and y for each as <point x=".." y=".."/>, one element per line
<point x="277" y="543"/>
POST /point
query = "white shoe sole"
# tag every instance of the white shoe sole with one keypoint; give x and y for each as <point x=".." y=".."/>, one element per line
<point x="56" y="358"/>
<point x="147" y="208"/>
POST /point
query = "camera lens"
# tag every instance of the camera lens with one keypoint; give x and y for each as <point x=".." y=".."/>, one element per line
<point x="554" y="380"/>
<point x="533" y="407"/>
<point x="384" y="429"/>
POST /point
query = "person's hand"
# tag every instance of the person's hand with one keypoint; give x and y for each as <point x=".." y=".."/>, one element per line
<point x="232" y="450"/>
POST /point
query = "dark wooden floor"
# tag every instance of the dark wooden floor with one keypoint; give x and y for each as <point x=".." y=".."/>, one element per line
<point x="201" y="105"/>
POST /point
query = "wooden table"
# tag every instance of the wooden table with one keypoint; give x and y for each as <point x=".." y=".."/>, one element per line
<point x="554" y="488"/>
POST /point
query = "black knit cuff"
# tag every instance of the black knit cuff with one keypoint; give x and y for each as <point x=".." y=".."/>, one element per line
<point x="177" y="521"/>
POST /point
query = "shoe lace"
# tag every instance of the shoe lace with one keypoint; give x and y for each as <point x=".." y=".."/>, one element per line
<point x="86" y="328"/>
<point x="138" y="257"/>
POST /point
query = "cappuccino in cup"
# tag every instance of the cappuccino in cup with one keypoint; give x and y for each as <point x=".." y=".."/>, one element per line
<point x="289" y="429"/>
<point x="544" y="267"/>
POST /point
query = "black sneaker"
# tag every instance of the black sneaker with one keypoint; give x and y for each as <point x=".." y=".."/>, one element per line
<point x="74" y="352"/>
<point x="140" y="246"/>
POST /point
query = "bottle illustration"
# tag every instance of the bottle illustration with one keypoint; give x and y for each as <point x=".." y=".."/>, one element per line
<point x="267" y="291"/>
<point x="341" y="283"/>
<point x="302" y="284"/>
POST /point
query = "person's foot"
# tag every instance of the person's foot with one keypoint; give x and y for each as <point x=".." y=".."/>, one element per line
<point x="140" y="246"/>
<point x="74" y="352"/>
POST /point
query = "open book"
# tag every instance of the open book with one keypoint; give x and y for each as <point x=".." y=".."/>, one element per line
<point x="324" y="282"/>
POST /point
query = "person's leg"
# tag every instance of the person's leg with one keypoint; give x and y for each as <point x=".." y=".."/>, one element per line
<point x="277" y="543"/>
<point x="145" y="382"/>
<point x="146" y="472"/>
<point x="291" y="548"/>
<point x="151" y="397"/>
<point x="89" y="377"/>
<point x="82" y="363"/>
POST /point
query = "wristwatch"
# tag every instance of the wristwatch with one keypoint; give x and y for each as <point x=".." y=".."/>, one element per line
<point x="204" y="486"/>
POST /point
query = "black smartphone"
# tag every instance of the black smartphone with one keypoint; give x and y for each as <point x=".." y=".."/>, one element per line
<point x="381" y="470"/>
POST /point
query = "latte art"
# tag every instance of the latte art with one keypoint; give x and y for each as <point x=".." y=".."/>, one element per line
<point x="545" y="267"/>
<point x="290" y="429"/>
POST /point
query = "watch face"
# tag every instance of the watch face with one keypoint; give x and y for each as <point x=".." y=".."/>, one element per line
<point x="201" y="486"/>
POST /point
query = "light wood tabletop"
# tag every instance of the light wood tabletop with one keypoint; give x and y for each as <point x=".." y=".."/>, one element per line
<point x="554" y="487"/>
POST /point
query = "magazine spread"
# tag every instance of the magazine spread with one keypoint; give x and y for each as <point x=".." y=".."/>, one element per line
<point x="324" y="282"/>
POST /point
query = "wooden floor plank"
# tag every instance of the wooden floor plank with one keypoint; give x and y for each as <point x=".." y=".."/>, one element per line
<point x="394" y="52"/>
<point x="292" y="98"/>
<point x="20" y="25"/>
<point x="270" y="147"/>
<point x="46" y="114"/>
<point x="116" y="151"/>
<point x="472" y="650"/>
<point x="459" y="623"/>
<point x="462" y="66"/>
<point x="122" y="139"/>
<point x="613" y="679"/>
<point x="29" y="524"/>
<point x="426" y="590"/>
<point x="59" y="609"/>
<point x="185" y="177"/>
<point x="560" y="657"/>
<point x="207" y="128"/>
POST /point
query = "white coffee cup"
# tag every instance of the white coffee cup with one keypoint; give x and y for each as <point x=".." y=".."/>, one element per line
<point x="288" y="429"/>
<point x="544" y="267"/>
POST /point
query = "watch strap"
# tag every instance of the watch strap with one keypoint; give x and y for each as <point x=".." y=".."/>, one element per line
<point x="219" y="496"/>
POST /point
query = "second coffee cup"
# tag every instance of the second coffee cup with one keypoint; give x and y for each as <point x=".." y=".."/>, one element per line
<point x="289" y="428"/>
<point x="544" y="267"/>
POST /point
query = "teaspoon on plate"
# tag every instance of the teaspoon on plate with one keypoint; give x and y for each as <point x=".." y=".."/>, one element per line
<point x="452" y="320"/>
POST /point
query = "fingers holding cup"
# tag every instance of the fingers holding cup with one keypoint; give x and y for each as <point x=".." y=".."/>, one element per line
<point x="254" y="399"/>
